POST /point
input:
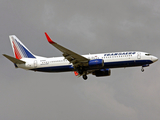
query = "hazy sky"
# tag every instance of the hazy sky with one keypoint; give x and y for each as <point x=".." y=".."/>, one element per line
<point x="84" y="26"/>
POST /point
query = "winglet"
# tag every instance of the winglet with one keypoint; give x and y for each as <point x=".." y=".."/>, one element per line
<point x="49" y="39"/>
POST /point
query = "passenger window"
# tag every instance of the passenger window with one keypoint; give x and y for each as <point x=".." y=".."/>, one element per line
<point x="147" y="54"/>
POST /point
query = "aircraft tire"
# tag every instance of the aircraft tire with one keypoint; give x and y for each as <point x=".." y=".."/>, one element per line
<point x="142" y="69"/>
<point x="85" y="77"/>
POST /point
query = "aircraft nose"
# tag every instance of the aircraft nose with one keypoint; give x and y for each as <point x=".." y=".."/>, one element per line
<point x="154" y="59"/>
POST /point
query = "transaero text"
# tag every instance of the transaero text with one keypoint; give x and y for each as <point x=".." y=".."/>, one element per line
<point x="122" y="53"/>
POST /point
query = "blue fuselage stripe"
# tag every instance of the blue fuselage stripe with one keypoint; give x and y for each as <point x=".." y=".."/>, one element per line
<point x="127" y="63"/>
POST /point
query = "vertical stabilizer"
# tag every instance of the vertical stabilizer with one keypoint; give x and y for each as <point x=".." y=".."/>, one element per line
<point x="20" y="51"/>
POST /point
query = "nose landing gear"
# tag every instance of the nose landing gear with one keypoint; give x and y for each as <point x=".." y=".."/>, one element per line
<point x="142" y="69"/>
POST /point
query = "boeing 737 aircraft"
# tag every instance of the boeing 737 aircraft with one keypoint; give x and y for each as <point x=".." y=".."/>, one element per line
<point x="82" y="65"/>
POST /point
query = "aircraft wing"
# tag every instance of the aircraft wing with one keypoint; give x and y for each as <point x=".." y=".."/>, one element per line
<point x="74" y="58"/>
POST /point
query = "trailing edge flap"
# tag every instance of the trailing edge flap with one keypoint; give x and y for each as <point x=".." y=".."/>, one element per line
<point x="14" y="60"/>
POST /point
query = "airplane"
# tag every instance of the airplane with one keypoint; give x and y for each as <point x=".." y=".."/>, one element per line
<point x="82" y="65"/>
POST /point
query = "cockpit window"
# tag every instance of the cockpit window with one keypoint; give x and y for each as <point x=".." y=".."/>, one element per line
<point x="147" y="54"/>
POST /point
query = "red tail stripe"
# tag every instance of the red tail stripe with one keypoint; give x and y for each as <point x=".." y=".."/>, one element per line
<point x="16" y="52"/>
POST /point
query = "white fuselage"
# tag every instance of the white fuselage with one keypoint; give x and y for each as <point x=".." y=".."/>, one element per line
<point x="111" y="60"/>
<point x="82" y="65"/>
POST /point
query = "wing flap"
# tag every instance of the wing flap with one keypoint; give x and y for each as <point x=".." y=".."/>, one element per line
<point x="14" y="60"/>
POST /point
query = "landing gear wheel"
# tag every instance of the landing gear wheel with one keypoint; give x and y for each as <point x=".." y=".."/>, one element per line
<point x="142" y="69"/>
<point x="85" y="77"/>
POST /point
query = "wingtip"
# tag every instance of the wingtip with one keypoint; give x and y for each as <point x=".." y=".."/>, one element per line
<point x="49" y="39"/>
<point x="4" y="55"/>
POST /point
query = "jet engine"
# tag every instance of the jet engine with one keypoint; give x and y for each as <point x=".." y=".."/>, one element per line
<point x="96" y="63"/>
<point x="102" y="72"/>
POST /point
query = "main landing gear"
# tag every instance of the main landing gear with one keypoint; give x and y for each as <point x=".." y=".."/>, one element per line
<point x="85" y="77"/>
<point x="142" y="69"/>
<point x="83" y="73"/>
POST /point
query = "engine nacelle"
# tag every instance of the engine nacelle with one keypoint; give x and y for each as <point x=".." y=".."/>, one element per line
<point x="102" y="72"/>
<point x="96" y="63"/>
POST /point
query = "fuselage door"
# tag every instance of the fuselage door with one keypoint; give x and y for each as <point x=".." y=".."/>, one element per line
<point x="138" y="55"/>
<point x="35" y="63"/>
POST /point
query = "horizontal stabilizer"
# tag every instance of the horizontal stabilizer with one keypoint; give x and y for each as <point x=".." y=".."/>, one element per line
<point x="14" y="60"/>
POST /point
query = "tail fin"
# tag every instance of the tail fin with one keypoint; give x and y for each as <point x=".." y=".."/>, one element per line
<point x="20" y="51"/>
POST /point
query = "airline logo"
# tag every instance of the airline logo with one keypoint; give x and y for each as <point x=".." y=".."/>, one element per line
<point x="124" y="53"/>
<point x="20" y="51"/>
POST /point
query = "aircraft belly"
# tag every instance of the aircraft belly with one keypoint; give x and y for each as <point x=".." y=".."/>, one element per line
<point x="130" y="63"/>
